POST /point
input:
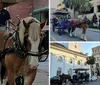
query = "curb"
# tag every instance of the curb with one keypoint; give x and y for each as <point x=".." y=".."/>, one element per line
<point x="94" y="30"/>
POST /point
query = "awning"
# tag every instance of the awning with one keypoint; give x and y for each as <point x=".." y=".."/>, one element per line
<point x="61" y="12"/>
<point x="81" y="69"/>
<point x="41" y="9"/>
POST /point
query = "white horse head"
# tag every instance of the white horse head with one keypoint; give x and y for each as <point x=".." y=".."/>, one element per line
<point x="33" y="28"/>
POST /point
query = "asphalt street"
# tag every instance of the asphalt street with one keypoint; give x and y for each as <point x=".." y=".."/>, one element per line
<point x="42" y="77"/>
<point x="92" y="35"/>
<point x="97" y="82"/>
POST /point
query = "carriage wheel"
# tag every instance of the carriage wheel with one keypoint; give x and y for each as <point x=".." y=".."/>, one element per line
<point x="43" y="58"/>
<point x="69" y="83"/>
<point x="71" y="28"/>
<point x="19" y="80"/>
<point x="53" y="29"/>
<point x="59" y="32"/>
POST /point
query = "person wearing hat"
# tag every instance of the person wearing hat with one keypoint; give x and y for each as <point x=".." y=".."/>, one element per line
<point x="4" y="18"/>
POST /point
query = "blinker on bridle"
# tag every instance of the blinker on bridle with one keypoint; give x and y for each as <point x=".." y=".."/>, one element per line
<point x="27" y="25"/>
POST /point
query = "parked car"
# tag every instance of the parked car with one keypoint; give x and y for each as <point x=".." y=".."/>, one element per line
<point x="93" y="78"/>
<point x="55" y="80"/>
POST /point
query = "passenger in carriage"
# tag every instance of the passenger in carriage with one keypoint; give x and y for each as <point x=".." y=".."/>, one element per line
<point x="4" y="18"/>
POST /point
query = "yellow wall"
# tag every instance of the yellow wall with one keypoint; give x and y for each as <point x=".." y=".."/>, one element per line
<point x="68" y="55"/>
<point x="61" y="6"/>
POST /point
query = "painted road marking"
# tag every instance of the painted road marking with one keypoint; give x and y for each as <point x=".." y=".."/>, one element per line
<point x="53" y="38"/>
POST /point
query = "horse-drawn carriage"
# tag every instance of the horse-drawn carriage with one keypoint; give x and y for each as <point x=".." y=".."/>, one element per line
<point x="62" y="79"/>
<point x="81" y="75"/>
<point x="61" y="22"/>
<point x="65" y="79"/>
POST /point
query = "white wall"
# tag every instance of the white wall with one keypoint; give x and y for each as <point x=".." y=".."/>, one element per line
<point x="64" y="64"/>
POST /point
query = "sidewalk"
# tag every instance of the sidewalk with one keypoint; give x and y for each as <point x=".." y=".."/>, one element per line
<point x="94" y="30"/>
<point x="42" y="77"/>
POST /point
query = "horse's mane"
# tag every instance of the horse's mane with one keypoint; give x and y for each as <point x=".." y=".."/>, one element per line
<point x="33" y="30"/>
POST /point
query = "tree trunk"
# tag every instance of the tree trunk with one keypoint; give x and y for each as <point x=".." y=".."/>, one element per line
<point x="75" y="13"/>
<point x="91" y="70"/>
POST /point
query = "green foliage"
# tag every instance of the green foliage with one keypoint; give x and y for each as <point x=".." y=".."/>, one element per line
<point x="94" y="27"/>
<point x="90" y="60"/>
<point x="78" y="5"/>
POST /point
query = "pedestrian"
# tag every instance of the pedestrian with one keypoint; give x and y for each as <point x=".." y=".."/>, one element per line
<point x="82" y="18"/>
<point x="94" y="19"/>
<point x="69" y="16"/>
<point x="4" y="18"/>
<point x="99" y="20"/>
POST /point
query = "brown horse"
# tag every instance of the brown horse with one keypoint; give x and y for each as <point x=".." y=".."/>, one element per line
<point x="80" y="24"/>
<point x="65" y="77"/>
<point x="16" y="59"/>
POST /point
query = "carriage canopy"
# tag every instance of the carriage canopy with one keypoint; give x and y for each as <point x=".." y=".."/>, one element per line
<point x="81" y="69"/>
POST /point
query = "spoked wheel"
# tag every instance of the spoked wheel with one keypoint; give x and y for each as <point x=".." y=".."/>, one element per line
<point x="68" y="83"/>
<point x="59" y="31"/>
<point x="71" y="29"/>
<point x="43" y="58"/>
<point x="19" y="81"/>
<point x="53" y="28"/>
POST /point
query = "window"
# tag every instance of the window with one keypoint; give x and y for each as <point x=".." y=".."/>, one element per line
<point x="60" y="58"/>
<point x="97" y="64"/>
<point x="78" y="62"/>
<point x="59" y="71"/>
<point x="92" y="10"/>
<point x="75" y="46"/>
<point x="98" y="7"/>
<point x="85" y="64"/>
<point x="70" y="60"/>
<point x="76" y="57"/>
<point x="70" y="71"/>
<point x="98" y="59"/>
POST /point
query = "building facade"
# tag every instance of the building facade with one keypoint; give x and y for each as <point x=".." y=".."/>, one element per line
<point x="95" y="9"/>
<point x="96" y="66"/>
<point x="35" y="8"/>
<point x="65" y="60"/>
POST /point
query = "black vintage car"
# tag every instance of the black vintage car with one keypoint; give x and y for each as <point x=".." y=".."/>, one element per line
<point x="55" y="80"/>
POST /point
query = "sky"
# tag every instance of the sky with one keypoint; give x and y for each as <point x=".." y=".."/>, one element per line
<point x="53" y="3"/>
<point x="86" y="47"/>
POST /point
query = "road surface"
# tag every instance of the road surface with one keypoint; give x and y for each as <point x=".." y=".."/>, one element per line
<point x="92" y="35"/>
<point x="42" y="77"/>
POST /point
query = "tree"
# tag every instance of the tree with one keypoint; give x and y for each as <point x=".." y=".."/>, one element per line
<point x="78" y="5"/>
<point x="90" y="61"/>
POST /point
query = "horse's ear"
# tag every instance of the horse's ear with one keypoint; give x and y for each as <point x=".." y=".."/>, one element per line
<point x="26" y="25"/>
<point x="43" y="24"/>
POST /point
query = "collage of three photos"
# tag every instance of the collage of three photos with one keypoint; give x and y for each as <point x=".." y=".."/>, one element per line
<point x="50" y="42"/>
